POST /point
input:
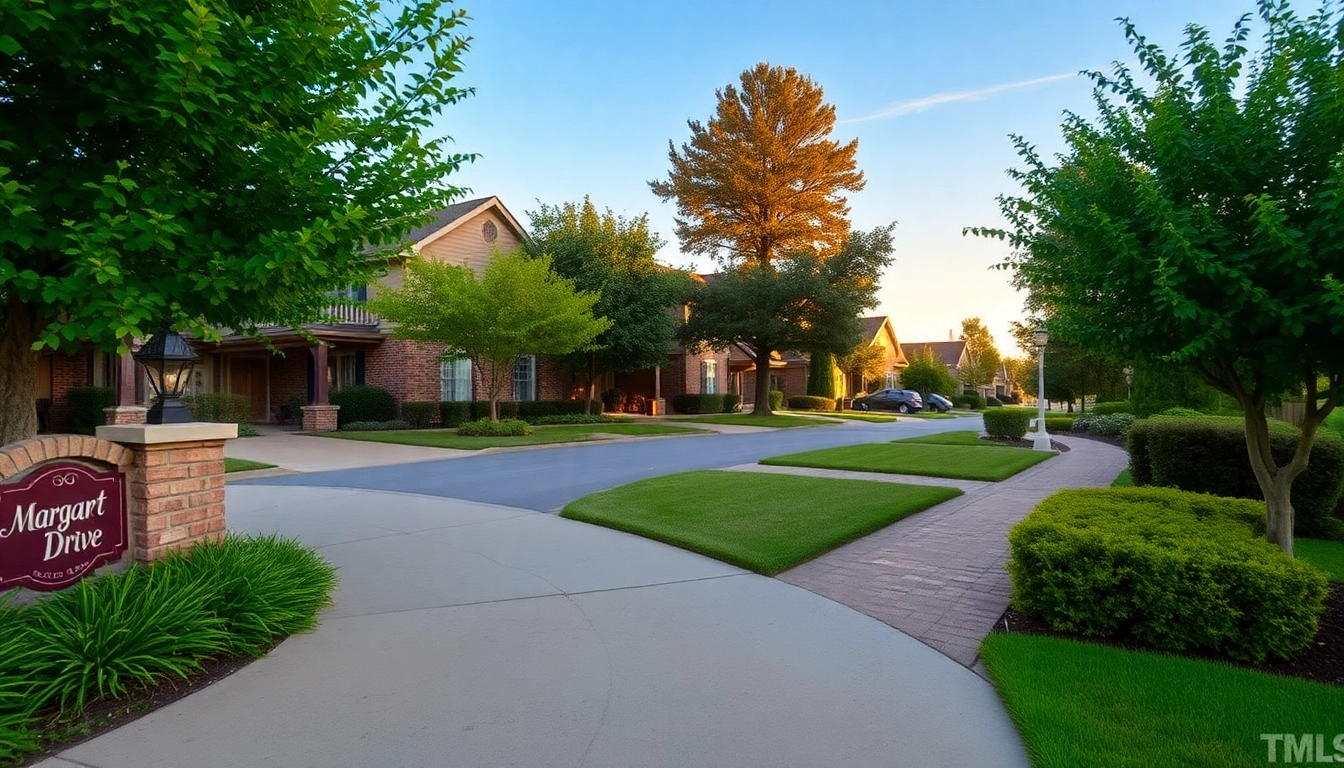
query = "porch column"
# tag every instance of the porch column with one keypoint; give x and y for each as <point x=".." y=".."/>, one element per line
<point x="657" y="382"/>
<point x="126" y="379"/>
<point x="320" y="396"/>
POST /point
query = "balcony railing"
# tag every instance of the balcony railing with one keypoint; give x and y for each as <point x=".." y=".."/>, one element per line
<point x="340" y="314"/>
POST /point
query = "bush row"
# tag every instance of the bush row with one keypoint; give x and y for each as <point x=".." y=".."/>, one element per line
<point x="220" y="407"/>
<point x="969" y="400"/>
<point x="109" y="635"/>
<point x="374" y="426"/>
<point x="451" y="413"/>
<point x="488" y="428"/>
<point x="1108" y="424"/>
<point x="86" y="407"/>
<point x="363" y="402"/>
<point x="1170" y="569"/>
<point x="1208" y="455"/>
<point x="811" y="403"/>
<point x="687" y="403"/>
<point x="1007" y="422"/>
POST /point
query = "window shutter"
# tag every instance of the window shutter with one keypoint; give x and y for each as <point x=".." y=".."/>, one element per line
<point x="359" y="366"/>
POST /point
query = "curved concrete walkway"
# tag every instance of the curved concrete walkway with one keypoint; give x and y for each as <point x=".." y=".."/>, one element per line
<point x="466" y="634"/>
<point x="939" y="576"/>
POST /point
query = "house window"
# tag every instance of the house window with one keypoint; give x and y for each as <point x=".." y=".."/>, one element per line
<point x="353" y="293"/>
<point x="709" y="378"/>
<point x="455" y="380"/>
<point x="777" y="382"/>
<point x="891" y="380"/>
<point x="341" y="371"/>
<point x="525" y="378"/>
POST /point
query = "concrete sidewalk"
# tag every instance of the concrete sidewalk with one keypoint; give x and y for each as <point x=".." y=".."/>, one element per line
<point x="939" y="575"/>
<point x="467" y="634"/>
<point x="311" y="453"/>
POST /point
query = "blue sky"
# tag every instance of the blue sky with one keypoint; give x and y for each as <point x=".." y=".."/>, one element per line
<point x="576" y="98"/>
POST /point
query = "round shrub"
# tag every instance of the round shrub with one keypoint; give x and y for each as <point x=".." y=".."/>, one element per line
<point x="488" y="428"/>
<point x="1007" y="422"/>
<point x="993" y="402"/>
<point x="811" y="403"/>
<point x="1187" y="413"/>
<point x="1170" y="569"/>
<point x="1107" y="409"/>
<point x="776" y="399"/>
<point x="1207" y="454"/>
<point x="420" y="414"/>
<point x="364" y="402"/>
<point x="732" y="403"/>
<point x="969" y="400"/>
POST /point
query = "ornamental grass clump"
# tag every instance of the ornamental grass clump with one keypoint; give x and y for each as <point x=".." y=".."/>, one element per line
<point x="1172" y="570"/>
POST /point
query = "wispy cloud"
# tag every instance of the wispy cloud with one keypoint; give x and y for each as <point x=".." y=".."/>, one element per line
<point x="926" y="103"/>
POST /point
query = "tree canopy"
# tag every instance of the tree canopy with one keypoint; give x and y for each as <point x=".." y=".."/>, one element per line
<point x="613" y="257"/>
<point x="866" y="362"/>
<point x="982" y="356"/>
<point x="1200" y="221"/>
<point x="212" y="164"/>
<point x="763" y="178"/>
<point x="927" y="374"/>
<point x="802" y="301"/>
<point x="518" y="307"/>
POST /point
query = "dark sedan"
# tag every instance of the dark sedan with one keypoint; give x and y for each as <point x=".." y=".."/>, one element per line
<point x="900" y="400"/>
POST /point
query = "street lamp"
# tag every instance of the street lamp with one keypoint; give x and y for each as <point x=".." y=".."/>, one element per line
<point x="1041" y="440"/>
<point x="168" y="359"/>
<point x="1129" y="379"/>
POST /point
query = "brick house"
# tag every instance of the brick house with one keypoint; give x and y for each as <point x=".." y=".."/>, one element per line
<point x="789" y="370"/>
<point x="952" y="354"/>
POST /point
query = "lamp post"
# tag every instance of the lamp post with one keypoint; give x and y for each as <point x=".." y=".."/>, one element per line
<point x="1041" y="441"/>
<point x="167" y="359"/>
<point x="1129" y="379"/>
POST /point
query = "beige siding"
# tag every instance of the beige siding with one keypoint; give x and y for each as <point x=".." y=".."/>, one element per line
<point x="466" y="245"/>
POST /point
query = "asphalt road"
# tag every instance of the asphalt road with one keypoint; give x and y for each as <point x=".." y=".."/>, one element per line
<point x="545" y="479"/>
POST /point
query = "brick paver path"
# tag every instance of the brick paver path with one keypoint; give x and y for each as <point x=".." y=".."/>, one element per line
<point x="939" y="575"/>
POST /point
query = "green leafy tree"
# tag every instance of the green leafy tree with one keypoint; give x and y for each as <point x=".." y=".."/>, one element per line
<point x="1201" y="221"/>
<point x="982" y="356"/>
<point x="613" y="257"/>
<point x="761" y="181"/>
<point x="1073" y="372"/>
<point x="927" y="374"/>
<point x="821" y="374"/>
<point x="801" y="301"/>
<point x="210" y="164"/>
<point x="865" y="362"/>
<point x="518" y="307"/>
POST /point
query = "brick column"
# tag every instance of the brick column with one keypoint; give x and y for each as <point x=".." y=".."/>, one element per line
<point x="320" y="418"/>
<point x="125" y="414"/>
<point x="175" y="483"/>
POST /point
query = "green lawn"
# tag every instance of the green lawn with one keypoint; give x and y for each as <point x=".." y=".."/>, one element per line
<point x="765" y="523"/>
<point x="243" y="465"/>
<point x="1079" y="704"/>
<point x="1123" y="480"/>
<point x="954" y="438"/>
<point x="853" y="416"/>
<point x="1334" y="422"/>
<point x="1326" y="555"/>
<point x="752" y="420"/>
<point x="962" y="462"/>
<point x="447" y="438"/>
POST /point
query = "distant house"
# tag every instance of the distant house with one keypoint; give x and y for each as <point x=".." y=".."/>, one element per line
<point x="789" y="369"/>
<point x="953" y="355"/>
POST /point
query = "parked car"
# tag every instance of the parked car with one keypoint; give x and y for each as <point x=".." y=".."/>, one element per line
<point x="939" y="404"/>
<point x="901" y="400"/>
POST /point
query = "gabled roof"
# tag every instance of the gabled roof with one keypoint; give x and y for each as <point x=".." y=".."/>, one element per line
<point x="873" y="326"/>
<point x="447" y="219"/>
<point x="949" y="352"/>
<point x="872" y="330"/>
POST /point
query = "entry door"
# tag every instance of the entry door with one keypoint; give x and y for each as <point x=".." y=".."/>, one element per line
<point x="247" y="376"/>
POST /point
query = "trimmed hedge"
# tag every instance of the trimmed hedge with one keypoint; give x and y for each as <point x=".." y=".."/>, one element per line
<point x="811" y="403"/>
<point x="732" y="403"/>
<point x="688" y="403"/>
<point x="1111" y="425"/>
<point x="86" y="407"/>
<point x="454" y="412"/>
<point x="1058" y="423"/>
<point x="1208" y="454"/>
<point x="1107" y="409"/>
<point x="993" y="402"/>
<point x="420" y="414"/>
<point x="363" y="402"/>
<point x="578" y="418"/>
<point x="374" y="426"/>
<point x="488" y="428"/>
<point x="776" y="399"/>
<point x="1007" y="422"/>
<point x="969" y="400"/>
<point x="1170" y="569"/>
<point x="220" y="408"/>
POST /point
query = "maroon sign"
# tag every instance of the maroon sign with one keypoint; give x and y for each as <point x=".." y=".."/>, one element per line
<point x="59" y="523"/>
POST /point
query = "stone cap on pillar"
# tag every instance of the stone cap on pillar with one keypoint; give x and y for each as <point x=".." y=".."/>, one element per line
<point x="155" y="434"/>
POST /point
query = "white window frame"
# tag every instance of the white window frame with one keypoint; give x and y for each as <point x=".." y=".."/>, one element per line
<point x="709" y="377"/>
<point x="455" y="380"/>
<point x="525" y="378"/>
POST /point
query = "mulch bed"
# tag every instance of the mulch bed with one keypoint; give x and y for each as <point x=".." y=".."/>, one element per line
<point x="1322" y="662"/>
<point x="103" y="715"/>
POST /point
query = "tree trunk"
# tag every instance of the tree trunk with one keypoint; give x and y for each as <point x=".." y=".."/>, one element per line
<point x="762" y="406"/>
<point x="18" y="371"/>
<point x="1276" y="483"/>
<point x="494" y="406"/>
<point x="592" y="387"/>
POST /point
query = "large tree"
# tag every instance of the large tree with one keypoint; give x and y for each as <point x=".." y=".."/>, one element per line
<point x="763" y="179"/>
<point x="802" y="301"/>
<point x="1201" y="221"/>
<point x="927" y="374"/>
<point x="612" y="256"/>
<point x="982" y="356"/>
<point x="209" y="164"/>
<point x="1073" y="371"/>
<point x="518" y="307"/>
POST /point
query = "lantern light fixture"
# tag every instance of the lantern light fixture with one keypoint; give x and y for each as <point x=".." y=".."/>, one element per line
<point x="168" y="361"/>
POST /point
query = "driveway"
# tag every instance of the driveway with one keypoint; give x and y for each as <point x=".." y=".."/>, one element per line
<point x="468" y="634"/>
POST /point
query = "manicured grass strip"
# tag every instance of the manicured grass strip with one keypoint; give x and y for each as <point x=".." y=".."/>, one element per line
<point x="752" y="420"/>
<point x="962" y="462"/>
<point x="243" y="465"/>
<point x="447" y="438"/>
<point x="876" y="418"/>
<point x="1123" y="480"/>
<point x="1326" y="555"/>
<point x="953" y="438"/>
<point x="1084" y="704"/>
<point x="764" y="523"/>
